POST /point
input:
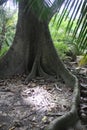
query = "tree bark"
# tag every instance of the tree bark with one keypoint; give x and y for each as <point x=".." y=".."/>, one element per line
<point x="32" y="51"/>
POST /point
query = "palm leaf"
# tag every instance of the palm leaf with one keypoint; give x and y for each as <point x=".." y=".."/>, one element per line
<point x="72" y="10"/>
<point x="76" y="9"/>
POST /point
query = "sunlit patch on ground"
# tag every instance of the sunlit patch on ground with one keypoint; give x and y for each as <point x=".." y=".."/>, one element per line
<point x="38" y="97"/>
<point x="46" y="98"/>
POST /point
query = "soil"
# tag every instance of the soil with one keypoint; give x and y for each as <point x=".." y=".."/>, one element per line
<point x="34" y="106"/>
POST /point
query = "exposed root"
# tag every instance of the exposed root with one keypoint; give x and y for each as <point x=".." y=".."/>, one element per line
<point x="42" y="73"/>
<point x="32" y="73"/>
<point x="37" y="71"/>
<point x="45" y="75"/>
<point x="29" y="77"/>
<point x="69" y="119"/>
<point x="67" y="76"/>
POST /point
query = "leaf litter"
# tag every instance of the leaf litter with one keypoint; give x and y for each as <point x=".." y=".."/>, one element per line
<point x="32" y="106"/>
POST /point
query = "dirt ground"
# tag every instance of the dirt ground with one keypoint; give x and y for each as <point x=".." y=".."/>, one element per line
<point x="34" y="106"/>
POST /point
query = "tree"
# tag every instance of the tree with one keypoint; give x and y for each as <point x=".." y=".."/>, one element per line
<point x="32" y="50"/>
<point x="33" y="53"/>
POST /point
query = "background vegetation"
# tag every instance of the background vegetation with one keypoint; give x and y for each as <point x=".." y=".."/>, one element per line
<point x="65" y="44"/>
<point x="62" y="40"/>
<point x="8" y="19"/>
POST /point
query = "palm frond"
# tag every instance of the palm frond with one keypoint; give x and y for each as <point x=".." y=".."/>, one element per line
<point x="81" y="29"/>
<point x="45" y="9"/>
<point x="76" y="10"/>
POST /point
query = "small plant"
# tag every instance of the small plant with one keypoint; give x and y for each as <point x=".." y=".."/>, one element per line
<point x="61" y="48"/>
<point x="83" y="60"/>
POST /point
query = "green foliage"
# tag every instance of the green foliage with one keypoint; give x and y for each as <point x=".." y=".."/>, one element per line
<point x="60" y="38"/>
<point x="63" y="39"/>
<point x="76" y="10"/>
<point x="8" y="21"/>
<point x="61" y="49"/>
<point x="4" y="50"/>
<point x="40" y="8"/>
<point x="83" y="60"/>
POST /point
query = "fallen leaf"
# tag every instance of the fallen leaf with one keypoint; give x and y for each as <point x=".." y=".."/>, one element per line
<point x="12" y="128"/>
<point x="44" y="119"/>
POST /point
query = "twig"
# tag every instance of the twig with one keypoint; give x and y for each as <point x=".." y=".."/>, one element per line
<point x="57" y="87"/>
<point x="55" y="114"/>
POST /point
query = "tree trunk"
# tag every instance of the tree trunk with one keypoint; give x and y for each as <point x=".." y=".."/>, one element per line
<point x="33" y="53"/>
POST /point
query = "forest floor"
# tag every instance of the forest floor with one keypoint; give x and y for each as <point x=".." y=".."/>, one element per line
<point x="34" y="106"/>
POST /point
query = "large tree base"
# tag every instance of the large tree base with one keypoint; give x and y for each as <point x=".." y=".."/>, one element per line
<point x="69" y="119"/>
<point x="47" y="65"/>
<point x="37" y="70"/>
